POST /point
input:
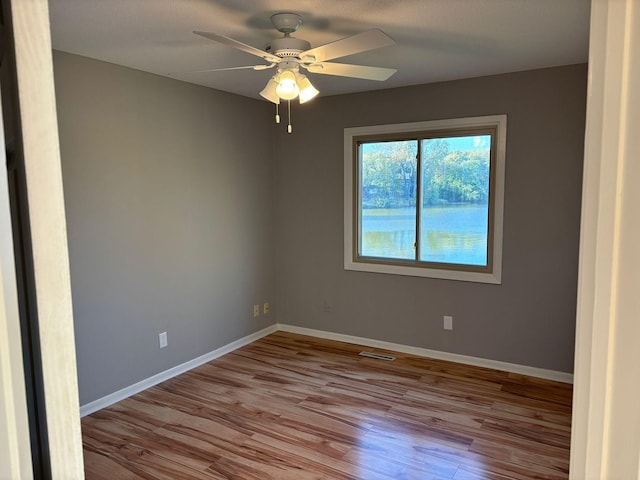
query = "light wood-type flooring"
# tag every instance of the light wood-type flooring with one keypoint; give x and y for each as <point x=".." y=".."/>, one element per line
<point x="291" y="407"/>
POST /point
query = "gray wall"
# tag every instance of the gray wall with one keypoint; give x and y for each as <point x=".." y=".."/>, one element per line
<point x="530" y="318"/>
<point x="170" y="211"/>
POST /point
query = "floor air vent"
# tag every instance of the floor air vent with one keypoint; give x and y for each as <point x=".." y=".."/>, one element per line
<point x="378" y="356"/>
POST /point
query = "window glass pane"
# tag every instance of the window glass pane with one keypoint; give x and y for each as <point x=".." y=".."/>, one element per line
<point x="455" y="200"/>
<point x="388" y="199"/>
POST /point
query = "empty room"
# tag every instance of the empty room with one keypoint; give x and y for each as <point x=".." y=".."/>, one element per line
<point x="328" y="240"/>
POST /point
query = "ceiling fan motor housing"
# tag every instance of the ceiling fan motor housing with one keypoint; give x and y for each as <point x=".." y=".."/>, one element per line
<point x="287" y="47"/>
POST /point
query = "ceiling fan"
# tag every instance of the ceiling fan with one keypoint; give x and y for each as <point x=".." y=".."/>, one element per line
<point x="288" y="55"/>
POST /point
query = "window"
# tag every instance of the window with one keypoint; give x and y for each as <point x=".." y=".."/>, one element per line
<point x="426" y="199"/>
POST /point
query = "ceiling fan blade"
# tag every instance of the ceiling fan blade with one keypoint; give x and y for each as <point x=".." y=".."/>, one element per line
<point x="356" y="71"/>
<point x="247" y="67"/>
<point x="361" y="42"/>
<point x="230" y="42"/>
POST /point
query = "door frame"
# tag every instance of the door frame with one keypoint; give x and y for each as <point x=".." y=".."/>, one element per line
<point x="606" y="418"/>
<point x="29" y="21"/>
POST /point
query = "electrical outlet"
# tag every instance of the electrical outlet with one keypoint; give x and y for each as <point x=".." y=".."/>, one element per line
<point x="448" y="322"/>
<point x="162" y="339"/>
<point x="265" y="308"/>
<point x="256" y="310"/>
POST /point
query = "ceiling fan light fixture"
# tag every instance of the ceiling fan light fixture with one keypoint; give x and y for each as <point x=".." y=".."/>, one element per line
<point x="307" y="90"/>
<point x="287" y="88"/>
<point x="289" y="54"/>
<point x="269" y="91"/>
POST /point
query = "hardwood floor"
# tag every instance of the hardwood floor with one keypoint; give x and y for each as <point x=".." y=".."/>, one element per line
<point x="290" y="407"/>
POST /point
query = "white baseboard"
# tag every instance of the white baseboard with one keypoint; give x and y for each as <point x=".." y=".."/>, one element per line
<point x="423" y="352"/>
<point x="115" y="397"/>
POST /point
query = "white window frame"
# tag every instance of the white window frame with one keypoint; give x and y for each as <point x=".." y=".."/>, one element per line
<point x="350" y="167"/>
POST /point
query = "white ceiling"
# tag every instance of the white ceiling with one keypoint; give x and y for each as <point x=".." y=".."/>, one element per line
<point x="435" y="39"/>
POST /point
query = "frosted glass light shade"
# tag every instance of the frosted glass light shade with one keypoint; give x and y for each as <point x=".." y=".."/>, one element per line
<point x="287" y="88"/>
<point x="269" y="92"/>
<point x="307" y="91"/>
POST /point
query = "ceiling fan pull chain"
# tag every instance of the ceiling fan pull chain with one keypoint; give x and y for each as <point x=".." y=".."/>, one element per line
<point x="277" y="114"/>
<point x="289" y="129"/>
